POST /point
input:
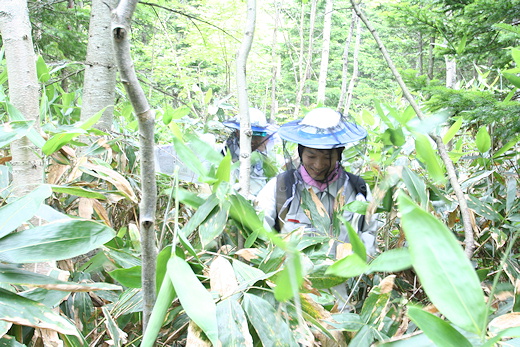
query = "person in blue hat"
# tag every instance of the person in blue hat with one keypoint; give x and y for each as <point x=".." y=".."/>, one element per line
<point x="321" y="137"/>
<point x="263" y="167"/>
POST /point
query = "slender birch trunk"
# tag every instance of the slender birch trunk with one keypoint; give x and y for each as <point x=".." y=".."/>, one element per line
<point x="355" y="69"/>
<point x="344" y="71"/>
<point x="121" y="21"/>
<point x="441" y="148"/>
<point x="308" y="61"/>
<point x="324" y="64"/>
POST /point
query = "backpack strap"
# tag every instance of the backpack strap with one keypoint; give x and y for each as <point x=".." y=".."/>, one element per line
<point x="284" y="183"/>
<point x="360" y="186"/>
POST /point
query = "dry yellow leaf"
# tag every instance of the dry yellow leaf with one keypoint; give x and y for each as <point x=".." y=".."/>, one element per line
<point x="222" y="277"/>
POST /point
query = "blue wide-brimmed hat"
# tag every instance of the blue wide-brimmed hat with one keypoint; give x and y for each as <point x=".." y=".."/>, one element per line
<point x="259" y="124"/>
<point x="322" y="128"/>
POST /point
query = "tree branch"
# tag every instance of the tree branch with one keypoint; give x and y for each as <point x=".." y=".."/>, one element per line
<point x="452" y="175"/>
<point x="122" y="16"/>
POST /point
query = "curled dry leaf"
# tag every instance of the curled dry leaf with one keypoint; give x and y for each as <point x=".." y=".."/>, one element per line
<point x="195" y="337"/>
<point x="387" y="284"/>
<point x="118" y="180"/>
<point x="508" y="320"/>
<point x="248" y="253"/>
<point x="86" y="208"/>
<point x="319" y="205"/>
<point x="222" y="277"/>
<point x="343" y="249"/>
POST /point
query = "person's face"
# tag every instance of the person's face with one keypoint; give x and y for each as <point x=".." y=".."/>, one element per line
<point x="319" y="163"/>
<point x="258" y="143"/>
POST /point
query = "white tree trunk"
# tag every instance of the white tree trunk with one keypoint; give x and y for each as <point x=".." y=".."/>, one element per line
<point x="451" y="72"/>
<point x="308" y="62"/>
<point x="100" y="69"/>
<point x="23" y="91"/>
<point x="324" y="64"/>
<point x="355" y="70"/>
<point x="344" y="71"/>
<point x="275" y="61"/>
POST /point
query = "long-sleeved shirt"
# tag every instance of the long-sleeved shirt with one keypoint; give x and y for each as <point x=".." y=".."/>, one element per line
<point x="296" y="217"/>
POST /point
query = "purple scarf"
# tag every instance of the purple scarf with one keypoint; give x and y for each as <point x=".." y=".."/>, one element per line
<point x="333" y="176"/>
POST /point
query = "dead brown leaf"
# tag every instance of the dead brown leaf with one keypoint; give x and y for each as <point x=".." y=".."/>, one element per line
<point x="222" y="277"/>
<point x="248" y="253"/>
<point x="85" y="207"/>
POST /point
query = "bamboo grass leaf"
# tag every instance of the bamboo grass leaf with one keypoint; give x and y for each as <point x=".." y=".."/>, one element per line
<point x="194" y="297"/>
<point x="17" y="212"/>
<point x="269" y="325"/>
<point x="58" y="240"/>
<point x="438" y="330"/>
<point x="232" y="324"/>
<point x="444" y="270"/>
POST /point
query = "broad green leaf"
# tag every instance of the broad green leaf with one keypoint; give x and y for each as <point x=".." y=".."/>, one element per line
<point x="272" y="329"/>
<point x="483" y="140"/>
<point x="61" y="139"/>
<point x="242" y="212"/>
<point x="54" y="241"/>
<point x="513" y="78"/>
<point x="318" y="214"/>
<point x="452" y="131"/>
<point x="42" y="71"/>
<point x="13" y="275"/>
<point x="21" y="311"/>
<point x="14" y="130"/>
<point x="515" y="53"/>
<point x="32" y="135"/>
<point x="189" y="158"/>
<point x="232" y="324"/>
<point x="194" y="297"/>
<point x="364" y="337"/>
<point x="438" y="330"/>
<point x="374" y="305"/>
<point x="506" y="147"/>
<point x="208" y="96"/>
<point x="512" y="190"/>
<point x="462" y="45"/>
<point x="246" y="274"/>
<point x="444" y="270"/>
<point x="200" y="215"/>
<point x="79" y="191"/>
<point x="416" y="187"/>
<point x="130" y="277"/>
<point x="429" y="158"/>
<point x="10" y="341"/>
<point x="162" y="304"/>
<point x="289" y="280"/>
<point x="203" y="150"/>
<point x="4" y="328"/>
<point x="171" y="114"/>
<point x="358" y="247"/>
<point x="17" y="212"/>
<point x="214" y="225"/>
<point x="224" y="169"/>
<point x="393" y="260"/>
<point x="347" y="321"/>
<point x="162" y="263"/>
<point x="92" y="120"/>
<point x="321" y="280"/>
<point x="350" y="266"/>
